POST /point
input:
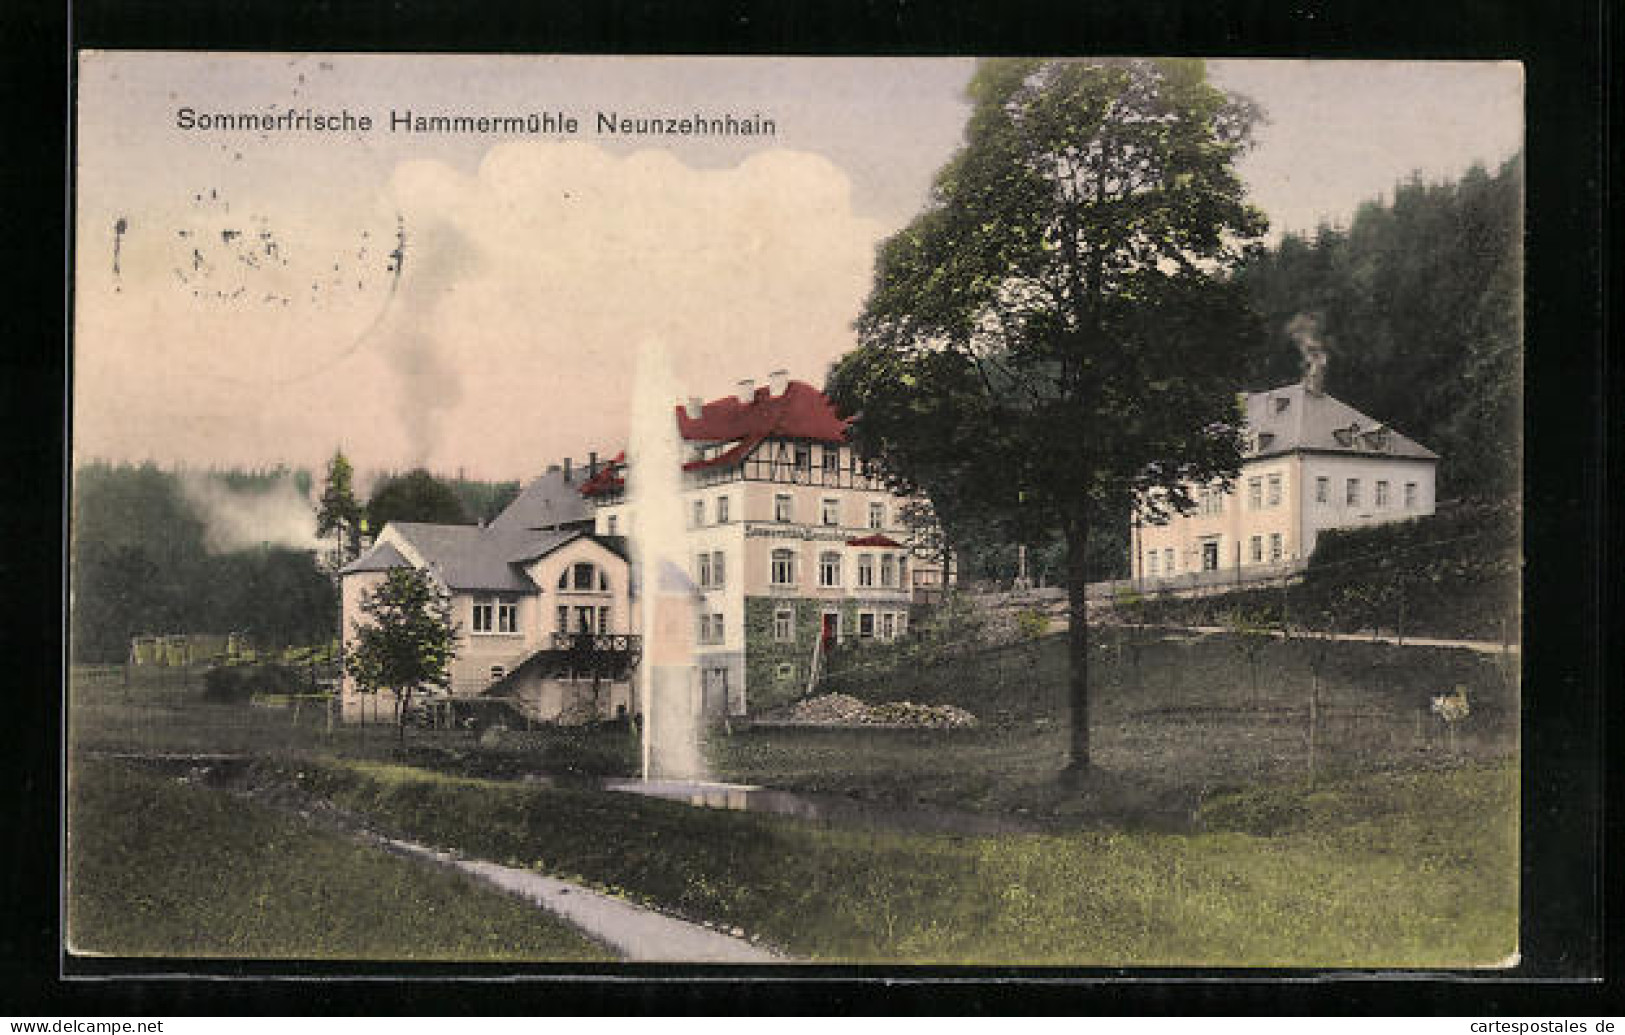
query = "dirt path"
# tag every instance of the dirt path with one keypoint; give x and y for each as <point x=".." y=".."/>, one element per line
<point x="640" y="935"/>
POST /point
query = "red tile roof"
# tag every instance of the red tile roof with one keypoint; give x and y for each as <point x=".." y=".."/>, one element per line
<point x="799" y="412"/>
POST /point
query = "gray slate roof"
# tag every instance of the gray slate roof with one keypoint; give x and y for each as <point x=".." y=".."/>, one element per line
<point x="468" y="557"/>
<point x="382" y="557"/>
<point x="546" y="502"/>
<point x="1313" y="422"/>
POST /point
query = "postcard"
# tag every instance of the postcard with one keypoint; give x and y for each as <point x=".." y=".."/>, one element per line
<point x="782" y="512"/>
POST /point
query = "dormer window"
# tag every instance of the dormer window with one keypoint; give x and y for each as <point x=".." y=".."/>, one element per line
<point x="1345" y="436"/>
<point x="1377" y="439"/>
<point x="1265" y="440"/>
<point x="1281" y="403"/>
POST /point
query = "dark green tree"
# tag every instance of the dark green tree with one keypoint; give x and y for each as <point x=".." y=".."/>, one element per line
<point x="406" y="640"/>
<point x="1054" y="337"/>
<point x="340" y="513"/>
<point x="415" y="496"/>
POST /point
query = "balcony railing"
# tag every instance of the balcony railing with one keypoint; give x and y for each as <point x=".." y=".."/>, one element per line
<point x="597" y="643"/>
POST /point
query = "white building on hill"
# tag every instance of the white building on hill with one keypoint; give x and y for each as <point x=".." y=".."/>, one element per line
<point x="1313" y="463"/>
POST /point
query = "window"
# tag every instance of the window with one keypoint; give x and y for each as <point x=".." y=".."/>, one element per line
<point x="1275" y="546"/>
<point x="1351" y="492"/>
<point x="712" y="629"/>
<point x="1273" y="496"/>
<point x="1382" y="494"/>
<point x="902" y="570"/>
<point x="584" y="617"/>
<point x="866" y="570"/>
<point x="718" y="574"/>
<point x="832" y="462"/>
<point x="1255" y="492"/>
<point x="902" y="622"/>
<point x="722" y="510"/>
<point x="497" y="672"/>
<point x="703" y="635"/>
<point x="484" y="609"/>
<point x="1410" y="495"/>
<point x="784" y="568"/>
<point x="1153" y="558"/>
<point x="603" y="619"/>
<point x="1281" y="403"/>
<point x="803" y="461"/>
<point x="698" y="518"/>
<point x="784" y="625"/>
<point x="888" y="625"/>
<point x="888" y="570"/>
<point x="781" y="507"/>
<point x="585" y="577"/>
<point x="1256" y="544"/>
<point x="832" y="512"/>
<point x="877" y="515"/>
<point x="1323" y="490"/>
<point x="508" y="616"/>
<point x="702" y="570"/>
<point x="1168" y="560"/>
<point x="785" y="670"/>
<point x="829" y="569"/>
<point x="564" y="619"/>
<point x="866" y="625"/>
<point x="1212" y="500"/>
<point x="612" y="524"/>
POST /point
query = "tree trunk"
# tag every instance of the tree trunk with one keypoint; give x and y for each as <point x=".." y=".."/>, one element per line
<point x="1077" y="643"/>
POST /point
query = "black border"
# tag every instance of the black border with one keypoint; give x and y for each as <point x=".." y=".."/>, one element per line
<point x="1571" y="582"/>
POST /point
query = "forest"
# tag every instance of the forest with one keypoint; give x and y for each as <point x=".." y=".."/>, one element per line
<point x="157" y="551"/>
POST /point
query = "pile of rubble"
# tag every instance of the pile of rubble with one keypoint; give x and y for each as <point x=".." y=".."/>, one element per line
<point x="845" y="710"/>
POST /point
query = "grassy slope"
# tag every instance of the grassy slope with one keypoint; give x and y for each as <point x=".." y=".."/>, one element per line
<point x="162" y="868"/>
<point x="1181" y="723"/>
<point x="1413" y="870"/>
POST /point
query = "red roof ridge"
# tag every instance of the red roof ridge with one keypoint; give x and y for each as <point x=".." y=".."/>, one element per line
<point x="878" y="539"/>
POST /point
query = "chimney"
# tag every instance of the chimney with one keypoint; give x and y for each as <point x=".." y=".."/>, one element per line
<point x="778" y="381"/>
<point x="592" y="465"/>
<point x="567" y="469"/>
<point x="747" y="390"/>
<point x="694" y="408"/>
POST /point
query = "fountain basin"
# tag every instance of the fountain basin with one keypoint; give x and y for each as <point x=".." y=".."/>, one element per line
<point x="825" y="809"/>
<point x="705" y="793"/>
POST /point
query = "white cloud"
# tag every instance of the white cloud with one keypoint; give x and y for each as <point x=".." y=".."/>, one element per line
<point x="509" y="338"/>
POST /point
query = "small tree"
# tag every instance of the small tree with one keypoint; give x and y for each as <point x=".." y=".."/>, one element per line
<point x="1252" y="631"/>
<point x="409" y="641"/>
<point x="340" y="514"/>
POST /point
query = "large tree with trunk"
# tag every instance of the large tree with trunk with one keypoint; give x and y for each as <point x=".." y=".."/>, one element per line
<point x="1056" y="339"/>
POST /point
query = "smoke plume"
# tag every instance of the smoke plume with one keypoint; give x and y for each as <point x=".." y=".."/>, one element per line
<point x="239" y="519"/>
<point x="1304" y="329"/>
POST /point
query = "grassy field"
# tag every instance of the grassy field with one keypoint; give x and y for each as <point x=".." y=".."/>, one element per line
<point x="161" y="866"/>
<point x="1198" y="840"/>
<point x="1176" y="720"/>
<point x="1398" y="870"/>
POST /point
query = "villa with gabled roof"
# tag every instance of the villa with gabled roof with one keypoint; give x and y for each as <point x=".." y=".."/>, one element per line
<point x="1312" y="463"/>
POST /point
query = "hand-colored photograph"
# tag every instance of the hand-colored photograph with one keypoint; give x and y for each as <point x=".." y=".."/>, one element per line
<point x="781" y="512"/>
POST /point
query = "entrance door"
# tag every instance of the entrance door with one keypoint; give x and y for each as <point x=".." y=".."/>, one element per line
<point x="1210" y="555"/>
<point x="832" y="629"/>
<point x="715" y="695"/>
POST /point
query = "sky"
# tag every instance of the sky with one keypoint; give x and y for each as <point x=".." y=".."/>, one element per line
<point x="475" y="302"/>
